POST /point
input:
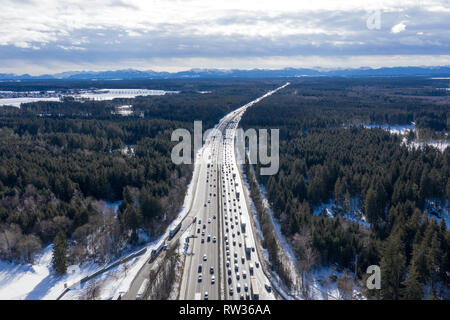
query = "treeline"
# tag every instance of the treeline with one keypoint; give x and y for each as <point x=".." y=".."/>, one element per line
<point x="324" y="157"/>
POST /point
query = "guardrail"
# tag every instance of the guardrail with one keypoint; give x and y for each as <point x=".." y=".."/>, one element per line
<point x="89" y="277"/>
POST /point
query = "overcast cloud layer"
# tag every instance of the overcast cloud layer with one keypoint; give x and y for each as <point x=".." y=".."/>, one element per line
<point x="46" y="36"/>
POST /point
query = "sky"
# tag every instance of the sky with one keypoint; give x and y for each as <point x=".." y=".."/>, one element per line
<point x="49" y="36"/>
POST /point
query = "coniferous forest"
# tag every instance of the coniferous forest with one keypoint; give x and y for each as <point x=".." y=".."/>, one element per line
<point x="63" y="162"/>
<point x="351" y="195"/>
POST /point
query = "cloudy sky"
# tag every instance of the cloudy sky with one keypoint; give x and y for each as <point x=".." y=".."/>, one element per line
<point x="48" y="36"/>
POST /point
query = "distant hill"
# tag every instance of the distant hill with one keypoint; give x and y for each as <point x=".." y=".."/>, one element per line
<point x="132" y="74"/>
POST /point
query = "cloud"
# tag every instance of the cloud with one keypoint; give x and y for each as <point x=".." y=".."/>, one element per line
<point x="114" y="32"/>
<point x="399" y="27"/>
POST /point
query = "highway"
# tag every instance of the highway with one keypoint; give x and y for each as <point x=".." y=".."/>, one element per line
<point x="217" y="243"/>
<point x="221" y="257"/>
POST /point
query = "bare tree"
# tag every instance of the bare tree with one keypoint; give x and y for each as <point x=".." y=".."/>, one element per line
<point x="92" y="290"/>
<point x="307" y="257"/>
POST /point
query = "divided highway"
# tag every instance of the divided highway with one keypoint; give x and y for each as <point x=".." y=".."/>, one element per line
<point x="221" y="261"/>
<point x="221" y="258"/>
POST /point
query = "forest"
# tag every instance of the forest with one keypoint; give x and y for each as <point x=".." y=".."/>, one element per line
<point x="383" y="193"/>
<point x="62" y="162"/>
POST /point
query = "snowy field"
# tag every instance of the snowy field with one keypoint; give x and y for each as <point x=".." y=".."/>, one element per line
<point x="403" y="130"/>
<point x="110" y="94"/>
<point x="97" y="95"/>
<point x="16" y="102"/>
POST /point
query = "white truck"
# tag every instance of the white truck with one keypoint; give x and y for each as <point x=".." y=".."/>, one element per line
<point x="254" y="288"/>
<point x="248" y="246"/>
<point x="243" y="223"/>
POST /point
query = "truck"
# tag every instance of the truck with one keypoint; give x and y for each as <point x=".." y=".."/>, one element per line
<point x="142" y="290"/>
<point x="154" y="253"/>
<point x="198" y="296"/>
<point x="254" y="288"/>
<point x="243" y="223"/>
<point x="174" y="231"/>
<point x="250" y="267"/>
<point x="248" y="245"/>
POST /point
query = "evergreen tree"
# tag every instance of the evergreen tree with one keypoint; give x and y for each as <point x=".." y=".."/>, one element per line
<point x="392" y="267"/>
<point x="59" y="259"/>
<point x="413" y="288"/>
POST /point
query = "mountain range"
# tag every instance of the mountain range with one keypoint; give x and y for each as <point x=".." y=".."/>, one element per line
<point x="129" y="74"/>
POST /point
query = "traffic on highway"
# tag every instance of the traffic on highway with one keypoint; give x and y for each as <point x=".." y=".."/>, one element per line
<point x="221" y="261"/>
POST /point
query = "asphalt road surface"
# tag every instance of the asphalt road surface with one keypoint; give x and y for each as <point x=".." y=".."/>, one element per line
<point x="221" y="256"/>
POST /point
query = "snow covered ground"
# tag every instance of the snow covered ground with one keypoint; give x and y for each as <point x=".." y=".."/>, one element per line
<point x="331" y="209"/>
<point x="38" y="281"/>
<point x="440" y="145"/>
<point x="16" y="102"/>
<point x="403" y="130"/>
<point x="438" y="210"/>
<point x="394" y="129"/>
<point x="98" y="95"/>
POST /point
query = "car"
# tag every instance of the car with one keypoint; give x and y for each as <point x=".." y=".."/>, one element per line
<point x="231" y="291"/>
<point x="239" y="233"/>
<point x="268" y="287"/>
<point x="227" y="263"/>
<point x="209" y="201"/>
<point x="247" y="296"/>
<point x="228" y="253"/>
<point x="199" y="221"/>
<point x="209" y="220"/>
<point x="214" y="216"/>
<point x="204" y="257"/>
<point x="226" y="222"/>
<point x="211" y="270"/>
<point x="205" y="295"/>
<point x="204" y="226"/>
<point x="213" y="279"/>
<point x="199" y="268"/>
<point x="244" y="274"/>
<point x="236" y="267"/>
<point x="198" y="230"/>
<point x="246" y="287"/>
<point x="240" y="244"/>
<point x="238" y="277"/>
<point x="203" y="240"/>
<point x="199" y="278"/>
<point x="229" y="271"/>
<point x="241" y="297"/>
<point x="242" y="259"/>
<point x="257" y="264"/>
<point x="209" y="238"/>
<point x="229" y="280"/>
<point x="215" y="239"/>
<point x="235" y="261"/>
<point x="203" y="233"/>
<point x="232" y="226"/>
<point x="205" y="205"/>
<point x="235" y="254"/>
